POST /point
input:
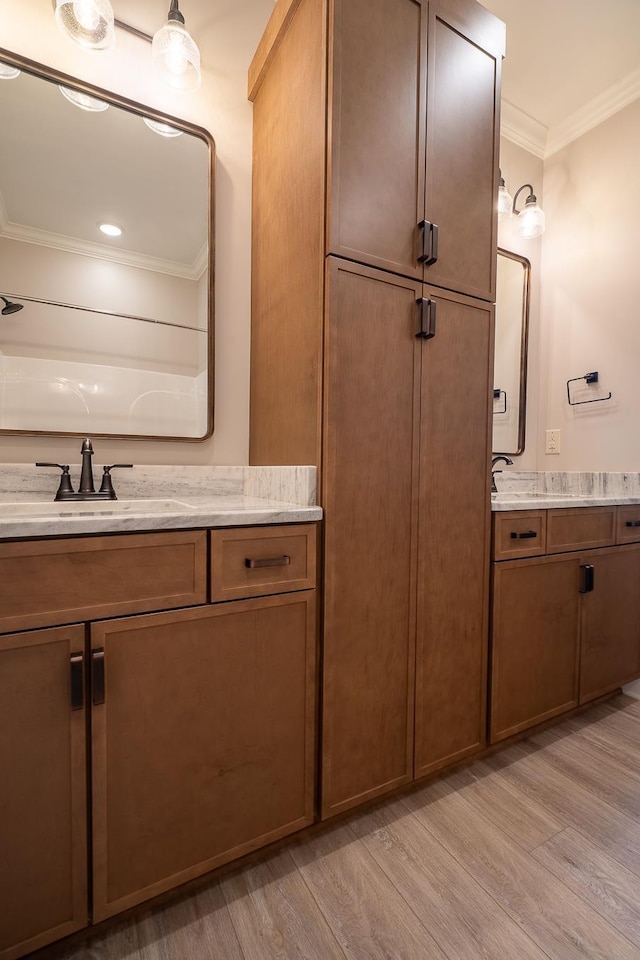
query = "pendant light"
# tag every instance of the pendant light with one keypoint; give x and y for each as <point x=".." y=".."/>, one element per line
<point x="89" y="23"/>
<point x="7" y="72"/>
<point x="176" y="53"/>
<point x="83" y="100"/>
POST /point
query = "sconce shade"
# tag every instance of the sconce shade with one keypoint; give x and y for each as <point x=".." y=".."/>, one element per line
<point x="505" y="201"/>
<point x="176" y="53"/>
<point x="89" y="23"/>
<point x="7" y="72"/>
<point x="83" y="100"/>
<point x="163" y="129"/>
<point x="531" y="220"/>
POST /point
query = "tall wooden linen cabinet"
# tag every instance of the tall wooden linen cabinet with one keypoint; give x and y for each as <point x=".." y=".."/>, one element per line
<point x="376" y="127"/>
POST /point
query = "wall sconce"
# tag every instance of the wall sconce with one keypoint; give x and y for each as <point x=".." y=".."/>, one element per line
<point x="505" y="201"/>
<point x="91" y="24"/>
<point x="531" y="219"/>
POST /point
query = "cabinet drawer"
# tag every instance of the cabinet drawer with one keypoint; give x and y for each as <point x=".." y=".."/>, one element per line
<point x="65" y="581"/>
<point x="579" y="528"/>
<point x="255" y="562"/>
<point x="520" y="533"/>
<point x="628" y="524"/>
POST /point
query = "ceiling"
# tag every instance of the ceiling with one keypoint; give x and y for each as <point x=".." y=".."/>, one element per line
<point x="569" y="65"/>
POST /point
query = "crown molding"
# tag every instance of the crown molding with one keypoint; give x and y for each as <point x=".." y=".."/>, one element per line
<point x="86" y="248"/>
<point x="615" y="98"/>
<point x="523" y="130"/>
<point x="542" y="141"/>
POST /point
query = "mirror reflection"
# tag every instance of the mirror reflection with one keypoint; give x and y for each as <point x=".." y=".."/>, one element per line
<point x="510" y="358"/>
<point x="105" y="245"/>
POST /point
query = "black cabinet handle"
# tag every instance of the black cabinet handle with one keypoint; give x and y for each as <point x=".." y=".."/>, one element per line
<point x="587" y="577"/>
<point x="267" y="562"/>
<point x="434" y="245"/>
<point x="632" y="523"/>
<point x="97" y="676"/>
<point x="527" y="535"/>
<point x="429" y="253"/>
<point x="427" y="318"/>
<point x="76" y="666"/>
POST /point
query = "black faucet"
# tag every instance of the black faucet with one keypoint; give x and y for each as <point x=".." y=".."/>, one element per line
<point x="500" y="458"/>
<point x="86" y="490"/>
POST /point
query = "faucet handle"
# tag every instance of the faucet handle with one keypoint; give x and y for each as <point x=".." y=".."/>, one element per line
<point x="65" y="487"/>
<point x="107" y="485"/>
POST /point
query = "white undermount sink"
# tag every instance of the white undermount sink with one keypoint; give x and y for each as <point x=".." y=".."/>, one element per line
<point x="72" y="508"/>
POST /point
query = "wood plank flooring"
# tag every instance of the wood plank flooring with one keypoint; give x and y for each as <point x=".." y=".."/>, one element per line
<point x="530" y="854"/>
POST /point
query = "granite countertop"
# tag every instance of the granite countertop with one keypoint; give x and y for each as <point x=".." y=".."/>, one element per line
<point x="160" y="499"/>
<point x="518" y="490"/>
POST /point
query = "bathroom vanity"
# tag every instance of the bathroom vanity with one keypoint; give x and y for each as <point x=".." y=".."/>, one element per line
<point x="157" y="695"/>
<point x="565" y="630"/>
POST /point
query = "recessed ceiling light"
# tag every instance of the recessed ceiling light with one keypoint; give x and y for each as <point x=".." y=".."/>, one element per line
<point x="83" y="100"/>
<point x="110" y="229"/>
<point x="164" y="129"/>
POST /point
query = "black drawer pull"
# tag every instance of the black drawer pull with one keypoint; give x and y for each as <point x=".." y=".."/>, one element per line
<point x="632" y="523"/>
<point x="97" y="676"/>
<point x="76" y="665"/>
<point x="527" y="535"/>
<point x="267" y="562"/>
<point x="588" y="578"/>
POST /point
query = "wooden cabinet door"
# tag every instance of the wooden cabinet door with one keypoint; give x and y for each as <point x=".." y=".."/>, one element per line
<point x="454" y="533"/>
<point x="610" y="649"/>
<point x="203" y="740"/>
<point x="377" y="118"/>
<point x="466" y="44"/>
<point x="43" y="855"/>
<point x="536" y="623"/>
<point x="369" y="494"/>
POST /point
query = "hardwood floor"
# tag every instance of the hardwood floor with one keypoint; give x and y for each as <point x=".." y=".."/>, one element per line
<point x="530" y="854"/>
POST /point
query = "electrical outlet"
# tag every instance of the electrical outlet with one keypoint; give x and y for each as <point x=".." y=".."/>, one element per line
<point x="552" y="444"/>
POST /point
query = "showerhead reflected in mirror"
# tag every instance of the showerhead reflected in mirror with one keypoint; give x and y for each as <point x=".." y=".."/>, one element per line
<point x="10" y="307"/>
<point x="511" y="348"/>
<point x="106" y="235"/>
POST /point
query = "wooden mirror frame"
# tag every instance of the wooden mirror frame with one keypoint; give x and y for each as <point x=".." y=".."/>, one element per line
<point x="524" y="352"/>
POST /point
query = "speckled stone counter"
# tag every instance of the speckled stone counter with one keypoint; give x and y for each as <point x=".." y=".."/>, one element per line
<point x="519" y="490"/>
<point x="158" y="498"/>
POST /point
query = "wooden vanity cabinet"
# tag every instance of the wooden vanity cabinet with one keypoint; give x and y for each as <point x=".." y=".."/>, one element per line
<point x="565" y="626"/>
<point x="202" y="719"/>
<point x="535" y="642"/>
<point x="43" y="817"/>
<point x="371" y="118"/>
<point x="203" y="740"/>
<point x="610" y="650"/>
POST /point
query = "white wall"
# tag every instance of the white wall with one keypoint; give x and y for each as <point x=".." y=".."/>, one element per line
<point x="589" y="314"/>
<point x="220" y="105"/>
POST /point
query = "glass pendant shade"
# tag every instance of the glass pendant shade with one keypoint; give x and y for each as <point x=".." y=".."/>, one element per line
<point x="530" y="222"/>
<point x="7" y="72"/>
<point x="83" y="100"/>
<point x="505" y="202"/>
<point x="88" y="23"/>
<point x="176" y="54"/>
<point x="164" y="129"/>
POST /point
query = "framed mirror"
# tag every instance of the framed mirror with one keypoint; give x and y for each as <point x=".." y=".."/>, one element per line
<point x="106" y="263"/>
<point x="510" y="358"/>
